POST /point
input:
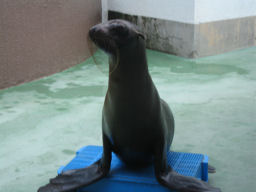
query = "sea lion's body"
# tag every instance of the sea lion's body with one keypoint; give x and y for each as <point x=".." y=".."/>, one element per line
<point x="136" y="123"/>
<point x="134" y="116"/>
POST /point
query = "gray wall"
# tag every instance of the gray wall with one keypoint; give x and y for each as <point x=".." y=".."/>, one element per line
<point x="42" y="37"/>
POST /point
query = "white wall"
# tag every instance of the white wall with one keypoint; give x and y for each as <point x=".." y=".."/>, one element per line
<point x="104" y="5"/>
<point x="175" y="10"/>
<point x="214" y="10"/>
<point x="186" y="11"/>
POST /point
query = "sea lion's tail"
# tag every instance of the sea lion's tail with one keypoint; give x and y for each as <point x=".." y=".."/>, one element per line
<point x="71" y="180"/>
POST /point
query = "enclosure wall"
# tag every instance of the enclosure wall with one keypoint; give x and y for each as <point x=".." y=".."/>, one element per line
<point x="42" y="37"/>
<point x="191" y="28"/>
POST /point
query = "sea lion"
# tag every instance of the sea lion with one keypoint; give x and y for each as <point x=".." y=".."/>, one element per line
<point x="137" y="124"/>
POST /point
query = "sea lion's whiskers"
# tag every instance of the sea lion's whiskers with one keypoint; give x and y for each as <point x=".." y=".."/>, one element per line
<point x="90" y="48"/>
<point x="117" y="63"/>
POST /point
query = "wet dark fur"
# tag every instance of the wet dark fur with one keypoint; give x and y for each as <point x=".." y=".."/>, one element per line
<point x="136" y="123"/>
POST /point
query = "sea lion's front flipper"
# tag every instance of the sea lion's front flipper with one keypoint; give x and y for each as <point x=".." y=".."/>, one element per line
<point x="174" y="181"/>
<point x="71" y="180"/>
<point x="181" y="183"/>
<point x="74" y="179"/>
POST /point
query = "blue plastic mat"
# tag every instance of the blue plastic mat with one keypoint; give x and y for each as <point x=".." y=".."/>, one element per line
<point x="124" y="179"/>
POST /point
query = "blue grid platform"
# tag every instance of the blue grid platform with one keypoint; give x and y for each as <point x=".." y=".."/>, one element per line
<point x="126" y="180"/>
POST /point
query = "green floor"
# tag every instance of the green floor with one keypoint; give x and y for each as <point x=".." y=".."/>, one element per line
<point x="44" y="122"/>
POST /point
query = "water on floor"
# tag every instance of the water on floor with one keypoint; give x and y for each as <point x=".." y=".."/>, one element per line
<point x="44" y="122"/>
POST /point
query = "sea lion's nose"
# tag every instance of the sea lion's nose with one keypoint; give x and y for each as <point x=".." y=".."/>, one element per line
<point x="95" y="31"/>
<point x="92" y="31"/>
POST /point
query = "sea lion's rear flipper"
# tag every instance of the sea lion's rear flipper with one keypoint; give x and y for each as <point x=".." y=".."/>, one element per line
<point x="71" y="180"/>
<point x="174" y="181"/>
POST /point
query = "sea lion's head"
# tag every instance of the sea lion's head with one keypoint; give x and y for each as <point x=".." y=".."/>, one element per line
<point x="114" y="34"/>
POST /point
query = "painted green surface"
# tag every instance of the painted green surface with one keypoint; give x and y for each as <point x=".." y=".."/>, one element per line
<point x="44" y="122"/>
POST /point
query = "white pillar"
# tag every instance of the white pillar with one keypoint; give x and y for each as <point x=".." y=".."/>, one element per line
<point x="104" y="4"/>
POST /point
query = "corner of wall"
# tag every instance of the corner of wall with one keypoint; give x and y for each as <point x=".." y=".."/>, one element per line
<point x="104" y="7"/>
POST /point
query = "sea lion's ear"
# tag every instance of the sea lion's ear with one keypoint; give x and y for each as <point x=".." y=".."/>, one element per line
<point x="140" y="34"/>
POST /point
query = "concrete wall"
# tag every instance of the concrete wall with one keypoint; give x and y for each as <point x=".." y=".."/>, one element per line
<point x="223" y="26"/>
<point x="163" y="35"/>
<point x="191" y="28"/>
<point x="173" y="10"/>
<point x="217" y="10"/>
<point x="104" y="4"/>
<point x="223" y="36"/>
<point x="42" y="37"/>
<point x="186" y="11"/>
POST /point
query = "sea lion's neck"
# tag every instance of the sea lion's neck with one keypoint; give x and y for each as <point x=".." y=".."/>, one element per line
<point x="129" y="63"/>
<point x="129" y="76"/>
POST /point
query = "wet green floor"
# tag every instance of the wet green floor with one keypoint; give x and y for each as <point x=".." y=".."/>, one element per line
<point x="42" y="123"/>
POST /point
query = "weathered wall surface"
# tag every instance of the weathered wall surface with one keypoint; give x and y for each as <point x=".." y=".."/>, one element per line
<point x="222" y="26"/>
<point x="223" y="36"/>
<point x="186" y="11"/>
<point x="42" y="37"/>
<point x="191" y="28"/>
<point x="174" y="10"/>
<point x="163" y="35"/>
